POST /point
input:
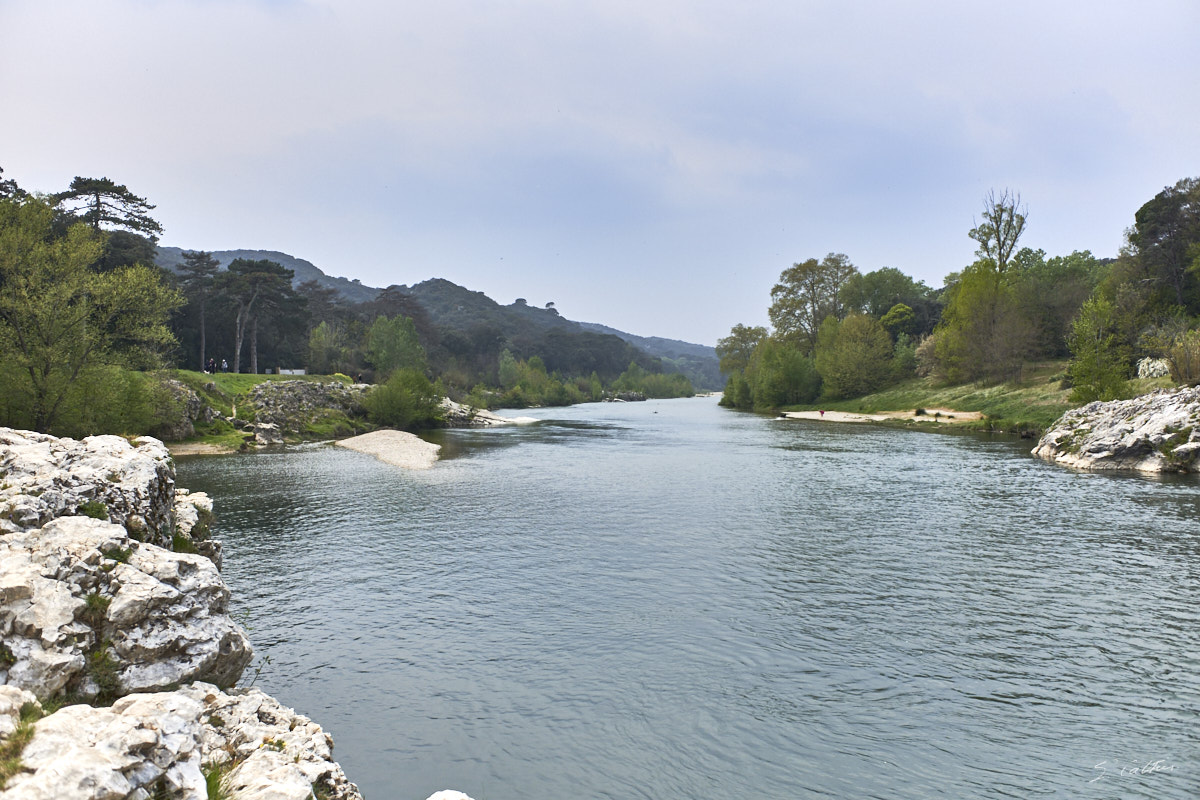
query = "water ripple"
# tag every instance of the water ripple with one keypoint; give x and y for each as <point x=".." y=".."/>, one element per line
<point x="667" y="599"/>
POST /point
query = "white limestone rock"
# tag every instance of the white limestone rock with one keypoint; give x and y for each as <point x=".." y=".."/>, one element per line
<point x="12" y="700"/>
<point x="193" y="518"/>
<point x="81" y="589"/>
<point x="272" y="751"/>
<point x="1157" y="432"/>
<point x="161" y="744"/>
<point x="43" y="477"/>
<point x="458" y="415"/>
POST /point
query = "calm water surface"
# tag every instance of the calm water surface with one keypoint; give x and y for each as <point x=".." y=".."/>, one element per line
<point x="667" y="599"/>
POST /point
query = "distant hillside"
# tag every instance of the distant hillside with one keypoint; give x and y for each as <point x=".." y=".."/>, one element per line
<point x="171" y="257"/>
<point x="697" y="361"/>
<point x="561" y="343"/>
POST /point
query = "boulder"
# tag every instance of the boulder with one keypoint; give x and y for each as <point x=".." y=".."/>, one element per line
<point x="267" y="433"/>
<point x="1157" y="432"/>
<point x="163" y="744"/>
<point x="457" y="415"/>
<point x="85" y="609"/>
<point x="43" y="477"/>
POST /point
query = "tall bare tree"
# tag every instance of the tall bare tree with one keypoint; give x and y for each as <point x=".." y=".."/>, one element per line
<point x="1001" y="228"/>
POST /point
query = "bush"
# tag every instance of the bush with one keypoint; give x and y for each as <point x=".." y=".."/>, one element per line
<point x="1183" y="358"/>
<point x="407" y="401"/>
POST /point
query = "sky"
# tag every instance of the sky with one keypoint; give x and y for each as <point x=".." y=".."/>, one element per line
<point x="650" y="165"/>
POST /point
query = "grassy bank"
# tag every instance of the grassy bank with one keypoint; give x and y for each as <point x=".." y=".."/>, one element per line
<point x="1026" y="407"/>
<point x="228" y="393"/>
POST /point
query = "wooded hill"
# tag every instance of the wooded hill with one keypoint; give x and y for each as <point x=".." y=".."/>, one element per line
<point x="464" y="327"/>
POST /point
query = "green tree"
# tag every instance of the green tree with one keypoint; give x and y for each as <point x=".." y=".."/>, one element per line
<point x="9" y="189"/>
<point x="198" y="274"/>
<point x="1001" y="228"/>
<point x="251" y="286"/>
<point x="407" y="401"/>
<point x="736" y="349"/>
<point x="781" y="375"/>
<point x="327" y="349"/>
<point x="853" y="356"/>
<point x="103" y="204"/>
<point x="1100" y="365"/>
<point x="875" y="292"/>
<point x="393" y="344"/>
<point x="984" y="334"/>
<point x="1165" y="230"/>
<point x="1051" y="292"/>
<point x="806" y="294"/>
<point x="900" y="320"/>
<point x="59" y="318"/>
<point x="509" y="370"/>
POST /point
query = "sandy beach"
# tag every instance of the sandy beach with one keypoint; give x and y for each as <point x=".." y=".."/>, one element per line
<point x="941" y="416"/>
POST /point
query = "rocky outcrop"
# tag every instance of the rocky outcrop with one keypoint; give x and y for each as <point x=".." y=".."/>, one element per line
<point x="457" y="415"/>
<point x="164" y="744"/>
<point x="293" y="405"/>
<point x="43" y="477"/>
<point x="86" y="610"/>
<point x="92" y="608"/>
<point x="1158" y="432"/>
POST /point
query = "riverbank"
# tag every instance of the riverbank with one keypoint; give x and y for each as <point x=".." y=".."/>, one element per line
<point x="935" y="416"/>
<point x="1027" y="407"/>
<point x="119" y="651"/>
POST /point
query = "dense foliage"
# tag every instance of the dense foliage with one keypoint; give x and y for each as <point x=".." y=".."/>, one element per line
<point x="839" y="333"/>
<point x="86" y="312"/>
<point x="65" y="322"/>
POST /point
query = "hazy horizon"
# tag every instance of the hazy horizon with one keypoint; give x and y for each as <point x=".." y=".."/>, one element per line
<point x="649" y="167"/>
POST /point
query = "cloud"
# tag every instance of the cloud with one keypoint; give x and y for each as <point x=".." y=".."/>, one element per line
<point x="665" y="144"/>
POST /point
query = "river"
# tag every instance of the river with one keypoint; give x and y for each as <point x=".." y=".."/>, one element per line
<point x="669" y="599"/>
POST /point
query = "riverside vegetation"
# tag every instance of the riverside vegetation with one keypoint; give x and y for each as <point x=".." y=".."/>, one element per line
<point x="91" y="328"/>
<point x="1017" y="335"/>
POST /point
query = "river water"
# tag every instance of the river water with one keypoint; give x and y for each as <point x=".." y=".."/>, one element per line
<point x="669" y="599"/>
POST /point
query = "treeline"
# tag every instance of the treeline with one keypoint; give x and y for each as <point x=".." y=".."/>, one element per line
<point x="838" y="333"/>
<point x="85" y="313"/>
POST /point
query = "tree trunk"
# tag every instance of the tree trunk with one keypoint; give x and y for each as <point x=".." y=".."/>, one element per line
<point x="203" y="363"/>
<point x="254" y="345"/>
<point x="238" y="329"/>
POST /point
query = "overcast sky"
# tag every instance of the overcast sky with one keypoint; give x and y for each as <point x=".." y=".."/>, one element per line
<point x="652" y="164"/>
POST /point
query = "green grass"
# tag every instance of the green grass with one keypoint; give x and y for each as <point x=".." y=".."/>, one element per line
<point x="228" y="386"/>
<point x="229" y="392"/>
<point x="10" y="751"/>
<point x="1027" y="407"/>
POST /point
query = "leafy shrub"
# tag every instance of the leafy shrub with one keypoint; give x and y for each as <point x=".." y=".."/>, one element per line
<point x="1183" y="358"/>
<point x="407" y="401"/>
<point x="94" y="509"/>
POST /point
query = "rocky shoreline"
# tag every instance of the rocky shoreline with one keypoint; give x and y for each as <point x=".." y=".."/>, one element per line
<point x="1157" y="432"/>
<point x="118" y="657"/>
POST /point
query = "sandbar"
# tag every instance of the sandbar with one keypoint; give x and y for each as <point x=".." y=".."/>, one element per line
<point x="941" y="416"/>
<point x="398" y="448"/>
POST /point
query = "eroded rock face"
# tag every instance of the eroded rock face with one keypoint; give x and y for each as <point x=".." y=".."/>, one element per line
<point x="86" y="609"/>
<point x="291" y="405"/>
<point x="1158" y="432"/>
<point x="162" y="744"/>
<point x="43" y="477"/>
<point x="94" y="608"/>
